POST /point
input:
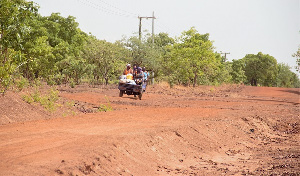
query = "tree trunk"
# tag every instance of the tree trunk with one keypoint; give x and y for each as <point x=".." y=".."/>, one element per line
<point x="253" y="82"/>
<point x="195" y="79"/>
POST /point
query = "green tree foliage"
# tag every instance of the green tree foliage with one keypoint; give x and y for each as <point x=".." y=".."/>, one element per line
<point x="67" y="42"/>
<point x="15" y="16"/>
<point x="107" y="59"/>
<point x="44" y="44"/>
<point x="7" y="68"/>
<point x="285" y="77"/>
<point x="223" y="73"/>
<point x="297" y="56"/>
<point x="191" y="58"/>
<point x="238" y="71"/>
<point x="295" y="80"/>
<point x="260" y="69"/>
<point x="70" y="69"/>
<point x="161" y="40"/>
<point x="144" y="52"/>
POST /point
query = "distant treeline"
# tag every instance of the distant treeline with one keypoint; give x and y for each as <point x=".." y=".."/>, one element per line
<point x="55" y="50"/>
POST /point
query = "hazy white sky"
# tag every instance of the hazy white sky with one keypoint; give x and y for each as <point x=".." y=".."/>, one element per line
<point x="237" y="26"/>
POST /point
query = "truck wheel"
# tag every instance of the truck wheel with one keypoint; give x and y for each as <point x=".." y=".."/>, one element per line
<point x="121" y="93"/>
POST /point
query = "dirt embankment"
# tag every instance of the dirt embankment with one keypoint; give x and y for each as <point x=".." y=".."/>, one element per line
<point x="228" y="130"/>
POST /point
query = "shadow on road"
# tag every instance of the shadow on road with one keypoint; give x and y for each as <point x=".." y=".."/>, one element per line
<point x="279" y="101"/>
<point x="133" y="98"/>
<point x="291" y="91"/>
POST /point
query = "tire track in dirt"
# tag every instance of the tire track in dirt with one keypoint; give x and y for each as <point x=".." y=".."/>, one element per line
<point x="181" y="132"/>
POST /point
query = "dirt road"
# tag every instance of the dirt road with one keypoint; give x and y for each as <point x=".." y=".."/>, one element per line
<point x="229" y="130"/>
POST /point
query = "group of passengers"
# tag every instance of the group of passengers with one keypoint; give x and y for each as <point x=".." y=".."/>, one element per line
<point x="137" y="72"/>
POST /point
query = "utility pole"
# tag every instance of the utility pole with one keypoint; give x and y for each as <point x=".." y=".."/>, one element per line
<point x="153" y="28"/>
<point x="140" y="26"/>
<point x="140" y="34"/>
<point x="224" y="54"/>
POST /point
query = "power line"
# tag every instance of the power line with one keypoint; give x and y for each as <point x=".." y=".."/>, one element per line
<point x="118" y="8"/>
<point x="114" y="10"/>
<point x="99" y="9"/>
<point x="125" y="14"/>
<point x="148" y="24"/>
<point x="162" y="28"/>
<point x="103" y="9"/>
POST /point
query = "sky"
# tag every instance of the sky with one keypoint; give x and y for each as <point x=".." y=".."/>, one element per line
<point x="238" y="27"/>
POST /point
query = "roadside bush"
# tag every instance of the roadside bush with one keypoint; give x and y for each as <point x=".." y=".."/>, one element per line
<point x="48" y="101"/>
<point x="72" y="83"/>
<point x="21" y="83"/>
<point x="36" y="82"/>
<point x="106" y="107"/>
<point x="51" y="81"/>
<point x="28" y="99"/>
<point x="36" y="96"/>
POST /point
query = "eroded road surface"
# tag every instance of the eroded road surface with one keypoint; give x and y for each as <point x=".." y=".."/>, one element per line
<point x="229" y="130"/>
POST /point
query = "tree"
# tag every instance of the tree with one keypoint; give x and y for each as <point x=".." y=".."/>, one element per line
<point x="192" y="57"/>
<point x="260" y="69"/>
<point x="42" y="63"/>
<point x="63" y="43"/>
<point x="223" y="73"/>
<point x="107" y="59"/>
<point x="144" y="53"/>
<point x="295" y="80"/>
<point x="285" y="77"/>
<point x="161" y="40"/>
<point x="297" y="55"/>
<point x="72" y="69"/>
<point x="238" y="73"/>
<point x="14" y="18"/>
